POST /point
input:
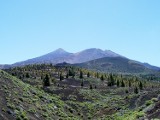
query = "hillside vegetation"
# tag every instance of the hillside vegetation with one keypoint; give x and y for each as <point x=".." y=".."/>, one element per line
<point x="53" y="92"/>
<point x="22" y="101"/>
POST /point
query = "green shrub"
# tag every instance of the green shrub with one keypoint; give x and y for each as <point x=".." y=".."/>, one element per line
<point x="149" y="102"/>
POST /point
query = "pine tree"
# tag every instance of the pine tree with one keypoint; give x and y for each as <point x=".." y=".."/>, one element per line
<point x="81" y="75"/>
<point x="129" y="84"/>
<point x="82" y="83"/>
<point x="67" y="76"/>
<point x="61" y="77"/>
<point x="136" y="90"/>
<point x="27" y="75"/>
<point x="70" y="73"/>
<point x="122" y="84"/>
<point x="112" y="80"/>
<point x="46" y="81"/>
<point x="91" y="87"/>
<point x="140" y="85"/>
<point x="109" y="83"/>
<point x="88" y="74"/>
<point x="97" y="75"/>
<point x="117" y="83"/>
<point x="102" y="78"/>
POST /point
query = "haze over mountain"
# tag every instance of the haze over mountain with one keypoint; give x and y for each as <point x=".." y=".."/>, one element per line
<point x="60" y="55"/>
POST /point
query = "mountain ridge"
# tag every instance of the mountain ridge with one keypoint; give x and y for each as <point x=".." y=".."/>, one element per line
<point x="88" y="55"/>
<point x="60" y="56"/>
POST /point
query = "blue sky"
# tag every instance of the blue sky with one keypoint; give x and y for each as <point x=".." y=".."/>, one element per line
<point x="30" y="28"/>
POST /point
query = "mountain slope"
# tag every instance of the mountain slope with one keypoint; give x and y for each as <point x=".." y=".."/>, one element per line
<point x="60" y="56"/>
<point x="57" y="56"/>
<point x="151" y="66"/>
<point x="115" y="65"/>
<point x="22" y="101"/>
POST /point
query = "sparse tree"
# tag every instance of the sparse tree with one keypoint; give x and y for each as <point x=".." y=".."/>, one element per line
<point x="88" y="74"/>
<point x="117" y="83"/>
<point x="140" y="85"/>
<point x="70" y="72"/>
<point x="27" y="75"/>
<point x="109" y="83"/>
<point x="82" y="83"/>
<point x="46" y="81"/>
<point x="97" y="75"/>
<point x="91" y="87"/>
<point x="112" y="80"/>
<point x="61" y="77"/>
<point x="122" y="84"/>
<point x="129" y="83"/>
<point x="81" y="75"/>
<point x="102" y="78"/>
<point x="136" y="90"/>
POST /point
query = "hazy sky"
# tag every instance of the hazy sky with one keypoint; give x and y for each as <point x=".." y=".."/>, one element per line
<point x="29" y="28"/>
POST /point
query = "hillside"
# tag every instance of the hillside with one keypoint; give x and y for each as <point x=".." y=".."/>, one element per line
<point x="21" y="101"/>
<point x="116" y="65"/>
<point x="82" y="94"/>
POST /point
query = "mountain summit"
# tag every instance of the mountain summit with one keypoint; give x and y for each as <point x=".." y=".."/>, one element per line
<point x="60" y="51"/>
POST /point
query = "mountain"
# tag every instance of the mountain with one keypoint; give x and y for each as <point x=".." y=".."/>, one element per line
<point x="93" y="58"/>
<point x="60" y="56"/>
<point x="116" y="65"/>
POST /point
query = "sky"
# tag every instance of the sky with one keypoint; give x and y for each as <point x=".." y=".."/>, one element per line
<point x="31" y="28"/>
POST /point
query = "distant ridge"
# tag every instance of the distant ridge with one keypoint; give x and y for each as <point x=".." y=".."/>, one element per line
<point x="117" y="65"/>
<point x="5" y="66"/>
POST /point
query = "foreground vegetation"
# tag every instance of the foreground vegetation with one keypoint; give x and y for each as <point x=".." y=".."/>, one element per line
<point x="64" y="92"/>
